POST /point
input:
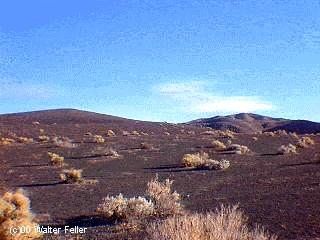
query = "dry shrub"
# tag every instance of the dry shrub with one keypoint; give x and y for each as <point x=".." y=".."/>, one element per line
<point x="146" y="146"/>
<point x="218" y="145"/>
<point x="305" y="142"/>
<point x="270" y="134"/>
<point x="15" y="212"/>
<point x="98" y="139"/>
<point x="110" y="133"/>
<point x="35" y="123"/>
<point x="227" y="223"/>
<point x="202" y="161"/>
<point x="166" y="202"/>
<point x="6" y="141"/>
<point x="24" y="140"/>
<point x="286" y="149"/>
<point x="219" y="133"/>
<point x="160" y="201"/>
<point x="43" y="138"/>
<point x="88" y="134"/>
<point x="135" y="133"/>
<point x="254" y="138"/>
<point x="167" y="133"/>
<point x="71" y="175"/>
<point x="55" y="159"/>
<point x="294" y="135"/>
<point x="63" y="142"/>
<point x="281" y="133"/>
<point x="125" y="133"/>
<point x="239" y="149"/>
<point x="105" y="151"/>
<point x="111" y="153"/>
<point x="124" y="209"/>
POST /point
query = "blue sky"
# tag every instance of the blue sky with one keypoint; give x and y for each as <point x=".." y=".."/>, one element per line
<point x="161" y="60"/>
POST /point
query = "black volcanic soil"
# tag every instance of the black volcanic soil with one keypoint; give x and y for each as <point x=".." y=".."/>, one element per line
<point x="280" y="192"/>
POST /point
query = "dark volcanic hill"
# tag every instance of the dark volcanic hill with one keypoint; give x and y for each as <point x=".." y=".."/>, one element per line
<point x="250" y="123"/>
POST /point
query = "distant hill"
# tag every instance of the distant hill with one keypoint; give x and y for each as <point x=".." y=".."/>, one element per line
<point x="250" y="123"/>
<point x="61" y="116"/>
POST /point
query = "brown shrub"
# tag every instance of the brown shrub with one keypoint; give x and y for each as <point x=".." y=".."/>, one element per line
<point x="98" y="139"/>
<point x="227" y="223"/>
<point x="218" y="145"/>
<point x="15" y="212"/>
<point x="71" y="175"/>
<point x="286" y="149"/>
<point x="239" y="149"/>
<point x="202" y="161"/>
<point x="305" y="142"/>
<point x="55" y="159"/>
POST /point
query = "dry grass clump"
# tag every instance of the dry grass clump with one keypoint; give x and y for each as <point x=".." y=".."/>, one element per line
<point x="43" y="138"/>
<point x="71" y="175"/>
<point x="88" y="134"/>
<point x="110" y="133"/>
<point x="167" y="133"/>
<point x="202" y="161"/>
<point x="125" y="133"/>
<point x="135" y="133"/>
<point x="218" y="145"/>
<point x="287" y="149"/>
<point x="111" y="153"/>
<point x="294" y="135"/>
<point x="63" y="142"/>
<point x="98" y="139"/>
<point x="24" y="140"/>
<point x="15" y="212"/>
<point x="35" y="123"/>
<point x="160" y="201"/>
<point x="56" y="159"/>
<point x="281" y="133"/>
<point x="305" y="142"/>
<point x="6" y="141"/>
<point x="255" y="138"/>
<point x="239" y="149"/>
<point x="227" y="223"/>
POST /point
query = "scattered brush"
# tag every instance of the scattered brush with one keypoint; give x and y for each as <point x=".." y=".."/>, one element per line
<point x="227" y="223"/>
<point x="98" y="139"/>
<point x="24" y="140"/>
<point x="159" y="201"/>
<point x="270" y="134"/>
<point x="239" y="149"/>
<point x="166" y="202"/>
<point x="202" y="161"/>
<point x="287" y="149"/>
<point x="43" y="138"/>
<point x="305" y="142"/>
<point x="71" y="176"/>
<point x="219" y="133"/>
<point x="56" y="159"/>
<point x="6" y="141"/>
<point x="110" y="133"/>
<point x="218" y="145"/>
<point x="146" y="146"/>
<point x="14" y="213"/>
<point x="63" y="142"/>
<point x="294" y="135"/>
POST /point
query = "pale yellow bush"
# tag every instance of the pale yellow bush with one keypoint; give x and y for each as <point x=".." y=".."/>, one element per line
<point x="239" y="149"/>
<point x="110" y="133"/>
<point x="98" y="139"/>
<point x="15" y="212"/>
<point x="55" y="159"/>
<point x="305" y="142"/>
<point x="218" y="145"/>
<point x="227" y="223"/>
<point x="71" y="176"/>
<point x="124" y="209"/>
<point x="166" y="202"/>
<point x="43" y="138"/>
<point x="287" y="149"/>
<point x="135" y="133"/>
<point x="24" y="140"/>
<point x="202" y="161"/>
<point x="63" y="142"/>
<point x="6" y="141"/>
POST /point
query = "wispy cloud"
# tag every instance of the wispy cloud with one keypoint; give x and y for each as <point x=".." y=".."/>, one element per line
<point x="16" y="89"/>
<point x="193" y="97"/>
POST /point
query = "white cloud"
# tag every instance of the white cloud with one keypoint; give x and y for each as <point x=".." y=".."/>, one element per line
<point x="193" y="97"/>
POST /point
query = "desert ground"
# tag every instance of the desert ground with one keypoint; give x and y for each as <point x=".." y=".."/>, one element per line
<point x="280" y="192"/>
